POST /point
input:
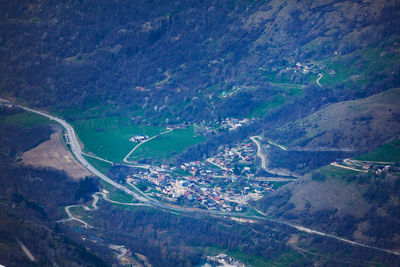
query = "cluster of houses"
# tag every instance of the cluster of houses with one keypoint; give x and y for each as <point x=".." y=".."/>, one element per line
<point x="223" y="260"/>
<point x="304" y="68"/>
<point x="232" y="124"/>
<point x="138" y="138"/>
<point x="203" y="184"/>
<point x="244" y="154"/>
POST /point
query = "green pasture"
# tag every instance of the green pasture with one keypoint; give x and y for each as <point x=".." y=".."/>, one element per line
<point x="356" y="67"/>
<point x="166" y="146"/>
<point x="109" y="137"/>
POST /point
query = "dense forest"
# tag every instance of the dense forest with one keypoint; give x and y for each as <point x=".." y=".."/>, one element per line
<point x="172" y="61"/>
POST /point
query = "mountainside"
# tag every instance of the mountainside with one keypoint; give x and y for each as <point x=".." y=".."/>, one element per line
<point x="264" y="130"/>
<point x="346" y="200"/>
<point x="340" y="130"/>
<point x="173" y="61"/>
<point x="30" y="200"/>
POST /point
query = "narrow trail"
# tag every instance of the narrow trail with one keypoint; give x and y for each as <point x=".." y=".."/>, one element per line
<point x="142" y="166"/>
<point x="141" y="143"/>
<point x="278" y="145"/>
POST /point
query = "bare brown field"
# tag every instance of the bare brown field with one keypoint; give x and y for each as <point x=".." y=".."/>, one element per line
<point x="53" y="154"/>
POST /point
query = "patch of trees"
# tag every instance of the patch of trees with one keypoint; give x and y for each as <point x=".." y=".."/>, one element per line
<point x="86" y="188"/>
<point x="15" y="140"/>
<point x="119" y="172"/>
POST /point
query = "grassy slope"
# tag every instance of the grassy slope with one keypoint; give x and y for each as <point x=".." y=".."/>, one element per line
<point x="358" y="67"/>
<point x="389" y="152"/>
<point x="351" y="120"/>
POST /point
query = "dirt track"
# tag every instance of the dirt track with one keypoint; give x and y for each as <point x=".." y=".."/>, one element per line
<point x="52" y="153"/>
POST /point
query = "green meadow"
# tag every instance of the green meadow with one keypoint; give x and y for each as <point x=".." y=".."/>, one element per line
<point x="108" y="137"/>
<point x="168" y="145"/>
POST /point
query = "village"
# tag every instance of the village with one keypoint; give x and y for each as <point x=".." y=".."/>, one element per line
<point x="222" y="182"/>
<point x="379" y="168"/>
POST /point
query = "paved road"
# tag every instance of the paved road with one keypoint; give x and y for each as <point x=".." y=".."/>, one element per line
<point x="77" y="152"/>
<point x="264" y="160"/>
<point x="319" y="78"/>
<point x="259" y="152"/>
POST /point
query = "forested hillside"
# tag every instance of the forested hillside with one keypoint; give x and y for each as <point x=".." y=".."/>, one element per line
<point x="174" y="60"/>
<point x="266" y="130"/>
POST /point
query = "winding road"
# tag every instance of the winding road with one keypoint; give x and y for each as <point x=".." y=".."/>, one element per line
<point x="319" y="78"/>
<point x="259" y="152"/>
<point x="264" y="160"/>
<point x="141" y="197"/>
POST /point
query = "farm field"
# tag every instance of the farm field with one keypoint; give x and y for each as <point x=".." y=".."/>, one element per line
<point x="52" y="153"/>
<point x="108" y="137"/>
<point x="166" y="146"/>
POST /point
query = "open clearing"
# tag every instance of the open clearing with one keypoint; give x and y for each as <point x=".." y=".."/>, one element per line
<point x="53" y="154"/>
<point x="167" y="145"/>
<point x="108" y="137"/>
